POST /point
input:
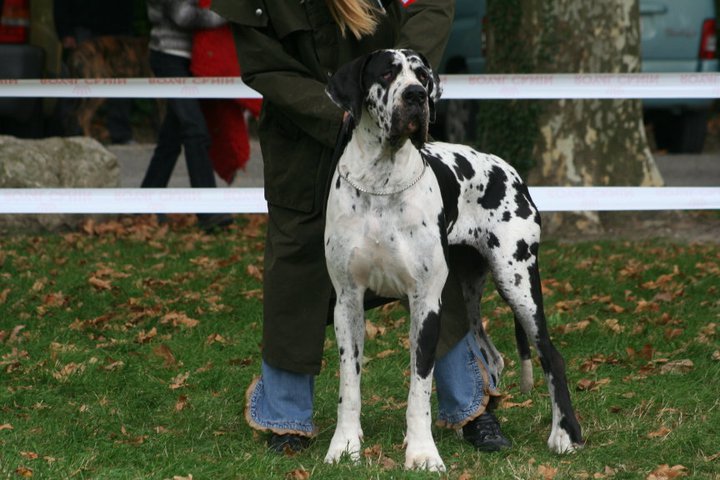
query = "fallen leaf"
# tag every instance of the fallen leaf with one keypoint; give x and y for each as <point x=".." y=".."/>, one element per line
<point x="372" y="330"/>
<point x="24" y="472"/>
<point x="3" y="295"/>
<point x="179" y="319"/>
<point x="164" y="352"/>
<point x="526" y="404"/>
<point x="215" y="338"/>
<point x="298" y="474"/>
<point x="143" y="337"/>
<point x="6" y="426"/>
<point x="591" y="385"/>
<point x="100" y="284"/>
<point x="547" y="472"/>
<point x="662" y="432"/>
<point x="716" y="355"/>
<point x="677" y="366"/>
<point x="613" y="325"/>
<point x="666" y="472"/>
<point x="386" y="353"/>
<point x="179" y="477"/>
<point x="64" y="373"/>
<point x="179" y="381"/>
<point x="30" y="455"/>
<point x="182" y="403"/>
<point x="255" y="272"/>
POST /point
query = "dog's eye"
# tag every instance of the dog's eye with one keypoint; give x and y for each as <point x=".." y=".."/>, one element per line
<point x="422" y="76"/>
<point x="388" y="76"/>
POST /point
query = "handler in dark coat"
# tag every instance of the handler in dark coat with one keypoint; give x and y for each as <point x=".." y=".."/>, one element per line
<point x="287" y="50"/>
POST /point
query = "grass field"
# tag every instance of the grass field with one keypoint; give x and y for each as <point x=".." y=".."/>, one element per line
<point x="126" y="348"/>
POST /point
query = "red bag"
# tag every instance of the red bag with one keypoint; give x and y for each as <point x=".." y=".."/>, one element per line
<point x="214" y="55"/>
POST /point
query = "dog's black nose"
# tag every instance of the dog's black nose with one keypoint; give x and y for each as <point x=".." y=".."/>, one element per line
<point x="414" y="94"/>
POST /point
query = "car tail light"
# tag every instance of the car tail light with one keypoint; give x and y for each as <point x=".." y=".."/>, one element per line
<point x="708" y="41"/>
<point x="15" y="21"/>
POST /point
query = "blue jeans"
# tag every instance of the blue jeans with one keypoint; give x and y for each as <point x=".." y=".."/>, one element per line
<point x="282" y="402"/>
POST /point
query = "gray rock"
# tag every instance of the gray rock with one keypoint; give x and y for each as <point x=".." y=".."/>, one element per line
<point x="74" y="162"/>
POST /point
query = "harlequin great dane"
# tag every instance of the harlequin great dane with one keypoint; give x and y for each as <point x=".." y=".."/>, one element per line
<point x="401" y="213"/>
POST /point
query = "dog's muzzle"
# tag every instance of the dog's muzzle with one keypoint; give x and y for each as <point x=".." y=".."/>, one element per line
<point x="411" y="118"/>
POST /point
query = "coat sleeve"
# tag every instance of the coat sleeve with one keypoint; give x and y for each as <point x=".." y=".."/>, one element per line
<point x="426" y="27"/>
<point x="282" y="80"/>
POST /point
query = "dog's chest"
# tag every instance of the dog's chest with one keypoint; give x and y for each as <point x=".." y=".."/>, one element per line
<point x="385" y="243"/>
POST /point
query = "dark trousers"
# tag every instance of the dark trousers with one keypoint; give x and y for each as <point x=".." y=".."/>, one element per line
<point x="183" y="127"/>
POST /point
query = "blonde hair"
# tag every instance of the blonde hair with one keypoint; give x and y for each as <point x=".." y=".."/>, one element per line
<point x="358" y="16"/>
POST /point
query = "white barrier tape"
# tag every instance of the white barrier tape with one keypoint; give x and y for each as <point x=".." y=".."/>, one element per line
<point x="530" y="86"/>
<point x="251" y="200"/>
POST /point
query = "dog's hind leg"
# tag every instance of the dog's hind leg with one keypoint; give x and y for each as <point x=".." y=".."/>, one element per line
<point x="523" y="346"/>
<point x="514" y="264"/>
<point x="350" y="337"/>
<point x="470" y="269"/>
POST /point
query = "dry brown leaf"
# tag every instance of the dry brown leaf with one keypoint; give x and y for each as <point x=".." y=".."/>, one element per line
<point x="143" y="337"/>
<point x="386" y="353"/>
<point x="573" y="327"/>
<point x="179" y="381"/>
<point x="215" y="338"/>
<point x="298" y="474"/>
<point x="547" y="472"/>
<point x="179" y="319"/>
<point x="164" y="352"/>
<point x="6" y="426"/>
<point x="661" y="432"/>
<point x="716" y="355"/>
<point x="526" y="404"/>
<point x="64" y="373"/>
<point x="255" y="272"/>
<point x="99" y="283"/>
<point x="591" y="385"/>
<point x="24" y="472"/>
<point x="614" y="326"/>
<point x="3" y="295"/>
<point x="677" y="366"/>
<point x="666" y="472"/>
<point x="30" y="455"/>
<point x="182" y="403"/>
<point x="179" y="477"/>
<point x="372" y="330"/>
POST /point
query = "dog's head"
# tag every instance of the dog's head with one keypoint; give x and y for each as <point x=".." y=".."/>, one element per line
<point x="396" y="88"/>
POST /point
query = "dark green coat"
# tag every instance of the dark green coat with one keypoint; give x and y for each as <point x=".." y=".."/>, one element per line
<point x="287" y="50"/>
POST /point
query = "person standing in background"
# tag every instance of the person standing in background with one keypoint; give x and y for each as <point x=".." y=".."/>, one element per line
<point x="171" y="34"/>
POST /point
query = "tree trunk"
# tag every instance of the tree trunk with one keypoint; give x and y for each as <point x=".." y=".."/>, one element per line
<point x="577" y="142"/>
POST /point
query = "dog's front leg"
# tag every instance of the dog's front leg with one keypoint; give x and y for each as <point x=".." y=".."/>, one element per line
<point x="421" y="451"/>
<point x="350" y="336"/>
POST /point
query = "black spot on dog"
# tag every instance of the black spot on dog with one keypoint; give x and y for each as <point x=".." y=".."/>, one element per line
<point x="522" y="253"/>
<point x="506" y="216"/>
<point x="357" y="368"/>
<point x="523" y="209"/>
<point x="496" y="189"/>
<point x="427" y="342"/>
<point x="449" y="187"/>
<point x="339" y="400"/>
<point x="518" y="279"/>
<point x="463" y="168"/>
<point x="493" y="241"/>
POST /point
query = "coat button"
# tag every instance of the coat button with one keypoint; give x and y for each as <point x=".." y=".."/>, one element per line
<point x="258" y="12"/>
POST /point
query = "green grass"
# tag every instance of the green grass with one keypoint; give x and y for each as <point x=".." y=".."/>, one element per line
<point x="104" y="372"/>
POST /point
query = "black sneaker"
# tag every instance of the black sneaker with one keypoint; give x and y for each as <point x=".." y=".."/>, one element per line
<point x="288" y="444"/>
<point x="484" y="434"/>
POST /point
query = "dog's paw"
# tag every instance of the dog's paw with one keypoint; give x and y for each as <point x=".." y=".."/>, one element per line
<point x="343" y="445"/>
<point x="424" y="457"/>
<point x="560" y="442"/>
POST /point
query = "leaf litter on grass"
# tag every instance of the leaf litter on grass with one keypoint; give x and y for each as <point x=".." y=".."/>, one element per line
<point x="155" y="345"/>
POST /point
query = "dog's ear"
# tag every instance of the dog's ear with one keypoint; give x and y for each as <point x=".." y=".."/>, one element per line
<point x="434" y="88"/>
<point x="346" y="89"/>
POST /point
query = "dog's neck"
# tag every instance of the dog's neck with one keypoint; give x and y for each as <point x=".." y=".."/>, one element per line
<point x="377" y="163"/>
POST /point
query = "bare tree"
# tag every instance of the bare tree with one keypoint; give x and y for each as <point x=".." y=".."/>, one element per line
<point x="572" y="142"/>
